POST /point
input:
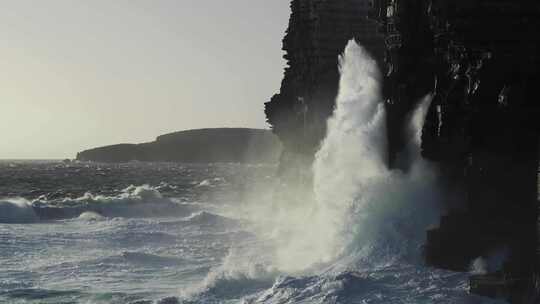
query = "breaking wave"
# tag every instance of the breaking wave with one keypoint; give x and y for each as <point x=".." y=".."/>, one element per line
<point x="240" y="274"/>
<point x="358" y="238"/>
<point x="362" y="212"/>
<point x="204" y="218"/>
<point x="131" y="202"/>
<point x="355" y="238"/>
<point x="16" y="210"/>
<point x="91" y="216"/>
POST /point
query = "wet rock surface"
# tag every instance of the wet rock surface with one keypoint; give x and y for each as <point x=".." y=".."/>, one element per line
<point x="480" y="60"/>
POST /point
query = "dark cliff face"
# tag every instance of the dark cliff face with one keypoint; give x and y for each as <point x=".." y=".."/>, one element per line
<point x="481" y="62"/>
<point x="317" y="34"/>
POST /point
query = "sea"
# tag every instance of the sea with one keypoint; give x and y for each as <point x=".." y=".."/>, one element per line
<point x="165" y="233"/>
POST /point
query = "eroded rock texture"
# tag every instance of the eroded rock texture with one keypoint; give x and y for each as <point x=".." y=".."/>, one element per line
<point x="318" y="32"/>
<point x="480" y="59"/>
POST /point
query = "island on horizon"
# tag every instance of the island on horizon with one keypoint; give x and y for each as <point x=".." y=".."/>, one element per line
<point x="238" y="145"/>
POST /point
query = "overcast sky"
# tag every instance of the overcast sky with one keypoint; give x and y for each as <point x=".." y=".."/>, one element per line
<point x="76" y="74"/>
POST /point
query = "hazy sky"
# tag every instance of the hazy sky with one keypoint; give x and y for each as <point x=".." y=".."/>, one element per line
<point x="76" y="74"/>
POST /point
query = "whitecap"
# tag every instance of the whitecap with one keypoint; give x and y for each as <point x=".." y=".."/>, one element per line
<point x="17" y="210"/>
<point x="91" y="216"/>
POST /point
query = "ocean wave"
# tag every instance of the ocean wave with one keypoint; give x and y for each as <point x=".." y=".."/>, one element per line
<point x="238" y="276"/>
<point x="229" y="288"/>
<point x="91" y="216"/>
<point x="131" y="239"/>
<point x="204" y="218"/>
<point x="210" y="182"/>
<point x="358" y="237"/>
<point x="17" y="210"/>
<point x="131" y="202"/>
<point x="395" y="284"/>
<point x="143" y="258"/>
<point x="310" y="289"/>
<point x="219" y="224"/>
<point x="37" y="294"/>
<point x="119" y="261"/>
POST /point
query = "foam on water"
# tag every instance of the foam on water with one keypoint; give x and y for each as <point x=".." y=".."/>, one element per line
<point x="16" y="210"/>
<point x="133" y="201"/>
<point x="91" y="216"/>
<point x="371" y="213"/>
<point x="355" y="238"/>
<point x="361" y="210"/>
<point x="358" y="239"/>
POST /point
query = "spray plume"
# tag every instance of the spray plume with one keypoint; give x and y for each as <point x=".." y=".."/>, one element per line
<point x="361" y="211"/>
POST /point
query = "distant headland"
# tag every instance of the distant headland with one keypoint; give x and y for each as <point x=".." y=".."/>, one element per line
<point x="195" y="146"/>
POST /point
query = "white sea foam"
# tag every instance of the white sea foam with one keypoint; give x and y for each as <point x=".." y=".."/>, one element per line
<point x="492" y="262"/>
<point x="241" y="273"/>
<point x="91" y="216"/>
<point x="361" y="210"/>
<point x="16" y="210"/>
<point x="133" y="201"/>
<point x="364" y="224"/>
<point x="355" y="240"/>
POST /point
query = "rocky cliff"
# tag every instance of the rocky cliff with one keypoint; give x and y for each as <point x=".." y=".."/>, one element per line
<point x="481" y="61"/>
<point x="317" y="33"/>
<point x="195" y="146"/>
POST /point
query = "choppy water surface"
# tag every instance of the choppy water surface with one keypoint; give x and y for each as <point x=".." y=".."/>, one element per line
<point x="230" y="233"/>
<point x="117" y="243"/>
<point x="176" y="235"/>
